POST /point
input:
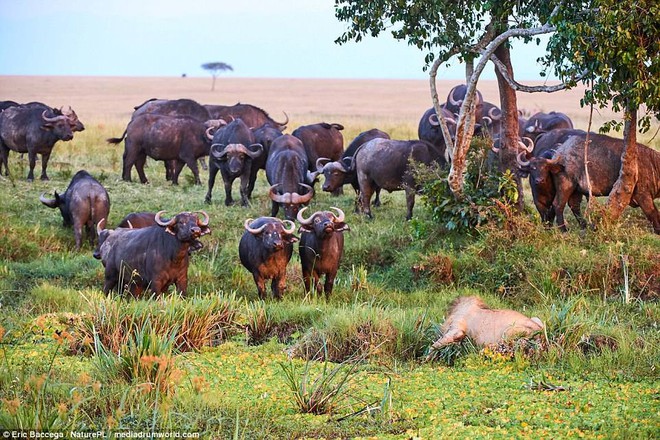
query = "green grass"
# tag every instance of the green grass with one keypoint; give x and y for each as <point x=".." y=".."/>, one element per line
<point x="223" y="373"/>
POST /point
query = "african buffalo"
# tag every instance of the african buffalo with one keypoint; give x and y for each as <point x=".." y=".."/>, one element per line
<point x="84" y="203"/>
<point x="182" y="139"/>
<point x="151" y="258"/>
<point x="543" y="122"/>
<point x="383" y="163"/>
<point x="429" y="129"/>
<point x="265" y="249"/>
<point x="253" y="116"/>
<point x="341" y="172"/>
<point x="455" y="99"/>
<point x="232" y="152"/>
<point x="174" y="107"/>
<point x="33" y="130"/>
<point x="321" y="247"/>
<point x="287" y="172"/>
<point x="470" y="316"/>
<point x="540" y="178"/>
<point x="321" y="140"/>
<point x="604" y="165"/>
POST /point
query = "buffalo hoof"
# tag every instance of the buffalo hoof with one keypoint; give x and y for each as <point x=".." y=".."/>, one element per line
<point x="44" y="178"/>
<point x="207" y="200"/>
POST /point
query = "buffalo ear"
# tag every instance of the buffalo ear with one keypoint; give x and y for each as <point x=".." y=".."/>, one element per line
<point x="305" y="228"/>
<point x="290" y="238"/>
<point x="555" y="166"/>
<point x="339" y="227"/>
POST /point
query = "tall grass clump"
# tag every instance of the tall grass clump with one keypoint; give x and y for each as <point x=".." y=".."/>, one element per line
<point x="145" y="360"/>
<point x="319" y="393"/>
<point x="194" y="323"/>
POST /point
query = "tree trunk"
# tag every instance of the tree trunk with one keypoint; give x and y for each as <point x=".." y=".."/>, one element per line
<point x="623" y="188"/>
<point x="464" y="133"/>
<point x="213" y="83"/>
<point x="509" y="136"/>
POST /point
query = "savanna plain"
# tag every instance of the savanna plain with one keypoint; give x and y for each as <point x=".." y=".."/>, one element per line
<point x="220" y="363"/>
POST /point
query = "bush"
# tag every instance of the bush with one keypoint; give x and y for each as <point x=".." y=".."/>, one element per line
<point x="486" y="192"/>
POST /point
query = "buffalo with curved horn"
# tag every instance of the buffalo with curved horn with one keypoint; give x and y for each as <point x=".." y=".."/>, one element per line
<point x="233" y="153"/>
<point x="321" y="247"/>
<point x="265" y="249"/>
<point x="151" y="258"/>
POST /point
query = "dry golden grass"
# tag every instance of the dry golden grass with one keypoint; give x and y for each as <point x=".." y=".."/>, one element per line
<point x="359" y="104"/>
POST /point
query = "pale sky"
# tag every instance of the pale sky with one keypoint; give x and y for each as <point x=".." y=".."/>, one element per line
<point x="258" y="38"/>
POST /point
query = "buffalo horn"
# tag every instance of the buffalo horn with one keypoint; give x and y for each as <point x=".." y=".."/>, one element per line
<point x="204" y="222"/>
<point x="495" y="150"/>
<point x="51" y="203"/>
<point x="130" y="225"/>
<point x="433" y="119"/>
<point x="100" y="227"/>
<point x="522" y="162"/>
<point x="340" y="214"/>
<point x="254" y="231"/>
<point x="274" y="196"/>
<point x="487" y="120"/>
<point x="291" y="228"/>
<point x="320" y="163"/>
<point x="528" y="144"/>
<point x="255" y="154"/>
<point x="300" y="199"/>
<point x="218" y="154"/>
<point x="302" y="220"/>
<point x="492" y="115"/>
<point x="452" y="100"/>
<point x="208" y="133"/>
<point x="47" y="119"/>
<point x="158" y="220"/>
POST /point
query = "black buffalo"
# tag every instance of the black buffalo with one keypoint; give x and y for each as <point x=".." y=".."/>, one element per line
<point x="265" y="250"/>
<point x="429" y="129"/>
<point x="32" y="130"/>
<point x="287" y="173"/>
<point x="84" y="203"/>
<point x="321" y="247"/>
<point x="455" y="99"/>
<point x="169" y="138"/>
<point x="151" y="258"/>
<point x="384" y="163"/>
<point x="232" y="153"/>
<point x="541" y="122"/>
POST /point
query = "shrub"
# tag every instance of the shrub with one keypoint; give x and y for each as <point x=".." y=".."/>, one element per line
<point x="485" y="188"/>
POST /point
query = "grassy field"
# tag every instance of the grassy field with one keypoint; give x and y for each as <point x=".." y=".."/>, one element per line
<point x="223" y="364"/>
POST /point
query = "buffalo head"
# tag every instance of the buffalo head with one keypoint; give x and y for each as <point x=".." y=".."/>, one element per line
<point x="185" y="226"/>
<point x="322" y="223"/>
<point x="334" y="172"/>
<point x="273" y="233"/>
<point x="59" y="125"/>
<point x="235" y="155"/>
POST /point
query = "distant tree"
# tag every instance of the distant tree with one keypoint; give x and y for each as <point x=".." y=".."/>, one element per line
<point x="215" y="68"/>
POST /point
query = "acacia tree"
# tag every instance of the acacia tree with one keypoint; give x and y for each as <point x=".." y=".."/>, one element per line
<point x="618" y="46"/>
<point x="475" y="32"/>
<point x="215" y="68"/>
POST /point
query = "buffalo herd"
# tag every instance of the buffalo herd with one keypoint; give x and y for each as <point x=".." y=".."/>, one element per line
<point x="149" y="252"/>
